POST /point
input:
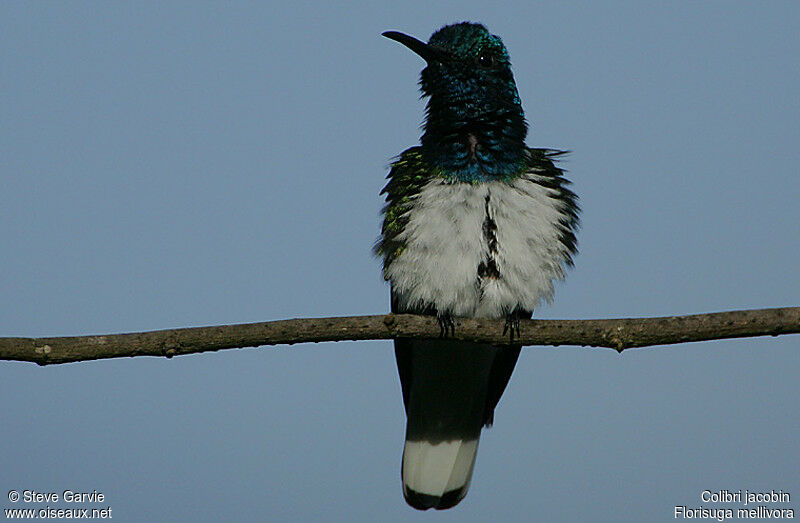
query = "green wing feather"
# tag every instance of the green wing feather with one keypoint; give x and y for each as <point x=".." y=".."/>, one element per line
<point x="408" y="175"/>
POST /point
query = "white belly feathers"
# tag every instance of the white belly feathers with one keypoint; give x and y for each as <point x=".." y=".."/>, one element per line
<point x="456" y="230"/>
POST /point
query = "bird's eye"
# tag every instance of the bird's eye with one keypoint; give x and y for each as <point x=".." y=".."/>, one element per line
<point x="485" y="60"/>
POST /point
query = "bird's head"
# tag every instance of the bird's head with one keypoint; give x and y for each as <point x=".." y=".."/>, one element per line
<point x="474" y="120"/>
<point x="467" y="66"/>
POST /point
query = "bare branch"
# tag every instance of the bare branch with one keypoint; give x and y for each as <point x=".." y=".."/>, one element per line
<point x="619" y="334"/>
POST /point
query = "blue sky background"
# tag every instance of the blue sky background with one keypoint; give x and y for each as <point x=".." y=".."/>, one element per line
<point x="207" y="163"/>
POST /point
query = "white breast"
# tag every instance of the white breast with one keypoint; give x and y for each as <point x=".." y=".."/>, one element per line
<point x="446" y="242"/>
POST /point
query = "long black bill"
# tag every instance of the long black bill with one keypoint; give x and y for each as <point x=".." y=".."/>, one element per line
<point x="427" y="52"/>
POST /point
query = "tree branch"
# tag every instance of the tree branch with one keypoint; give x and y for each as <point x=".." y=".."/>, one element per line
<point x="619" y="334"/>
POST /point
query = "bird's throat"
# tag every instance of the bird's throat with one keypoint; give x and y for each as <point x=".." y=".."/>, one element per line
<point x="485" y="147"/>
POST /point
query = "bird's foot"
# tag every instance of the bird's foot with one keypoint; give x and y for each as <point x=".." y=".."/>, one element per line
<point x="512" y="325"/>
<point x="446" y="324"/>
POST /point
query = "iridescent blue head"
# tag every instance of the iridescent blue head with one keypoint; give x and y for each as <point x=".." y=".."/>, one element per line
<point x="474" y="126"/>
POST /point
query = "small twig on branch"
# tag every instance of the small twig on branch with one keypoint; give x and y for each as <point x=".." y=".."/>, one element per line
<point x="619" y="334"/>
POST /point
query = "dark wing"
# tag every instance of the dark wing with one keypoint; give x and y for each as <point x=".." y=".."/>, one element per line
<point x="542" y="163"/>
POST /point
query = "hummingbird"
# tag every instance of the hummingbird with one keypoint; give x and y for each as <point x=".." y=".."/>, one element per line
<point x="476" y="224"/>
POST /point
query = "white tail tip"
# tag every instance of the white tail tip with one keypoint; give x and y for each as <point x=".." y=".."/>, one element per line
<point x="437" y="475"/>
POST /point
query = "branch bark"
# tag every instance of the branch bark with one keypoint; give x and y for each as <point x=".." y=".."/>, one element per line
<point x="618" y="334"/>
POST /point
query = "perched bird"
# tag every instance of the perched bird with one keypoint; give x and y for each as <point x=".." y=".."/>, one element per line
<point x="476" y="224"/>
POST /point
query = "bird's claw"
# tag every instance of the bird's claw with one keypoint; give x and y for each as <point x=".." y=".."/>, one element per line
<point x="512" y="325"/>
<point x="446" y="324"/>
